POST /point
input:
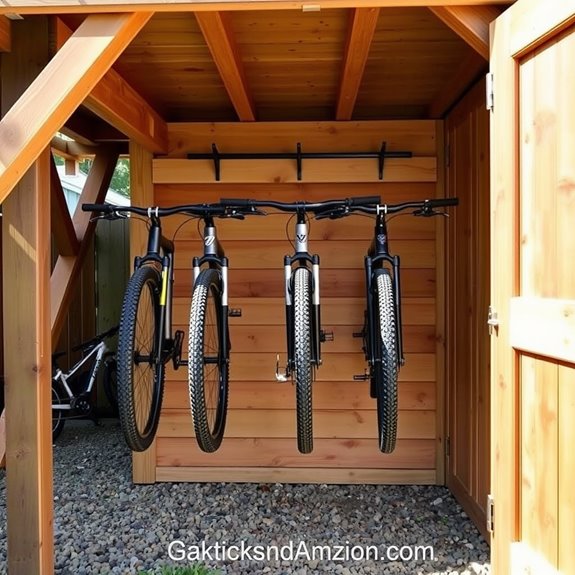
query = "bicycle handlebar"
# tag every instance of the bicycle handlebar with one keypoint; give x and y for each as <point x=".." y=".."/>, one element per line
<point x="199" y="210"/>
<point x="240" y="207"/>
<point x="314" y="207"/>
<point x="421" y="208"/>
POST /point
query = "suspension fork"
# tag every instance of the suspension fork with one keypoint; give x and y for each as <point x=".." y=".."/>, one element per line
<point x="315" y="311"/>
<point x="165" y="319"/>
<point x="378" y="253"/>
<point x="370" y="324"/>
<point x="289" y="314"/>
<point x="214" y="256"/>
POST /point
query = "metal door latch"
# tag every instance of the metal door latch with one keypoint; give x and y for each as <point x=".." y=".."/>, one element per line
<point x="492" y="320"/>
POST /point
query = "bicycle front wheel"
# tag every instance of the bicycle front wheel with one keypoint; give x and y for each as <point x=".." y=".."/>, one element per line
<point x="140" y="369"/>
<point x="208" y="368"/>
<point x="303" y="373"/>
<point x="386" y="362"/>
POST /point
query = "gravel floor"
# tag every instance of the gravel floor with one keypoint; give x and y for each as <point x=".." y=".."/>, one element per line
<point x="104" y="524"/>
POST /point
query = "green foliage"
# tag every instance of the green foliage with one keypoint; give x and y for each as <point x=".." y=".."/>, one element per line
<point x="121" y="178"/>
<point x="190" y="570"/>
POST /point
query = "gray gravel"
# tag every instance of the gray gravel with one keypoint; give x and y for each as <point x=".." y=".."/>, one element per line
<point x="104" y="524"/>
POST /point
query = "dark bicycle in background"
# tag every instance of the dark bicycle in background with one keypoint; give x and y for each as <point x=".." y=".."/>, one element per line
<point x="72" y="388"/>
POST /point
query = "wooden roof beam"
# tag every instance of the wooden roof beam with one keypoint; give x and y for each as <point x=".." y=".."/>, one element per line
<point x="90" y="130"/>
<point x="116" y="102"/>
<point x="5" y="34"/>
<point x="362" y="28"/>
<point x="71" y="150"/>
<point x="470" y="23"/>
<point x="215" y="27"/>
<point x="28" y="127"/>
<point x="94" y="6"/>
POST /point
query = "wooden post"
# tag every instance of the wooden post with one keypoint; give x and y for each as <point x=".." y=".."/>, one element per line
<point x="26" y="276"/>
<point x="26" y="281"/>
<point x="142" y="194"/>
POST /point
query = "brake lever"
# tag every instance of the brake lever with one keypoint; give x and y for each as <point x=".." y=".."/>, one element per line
<point x="112" y="216"/>
<point x="429" y="213"/>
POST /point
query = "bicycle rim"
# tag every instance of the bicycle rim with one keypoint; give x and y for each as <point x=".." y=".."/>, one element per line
<point x="140" y="369"/>
<point x="57" y="416"/>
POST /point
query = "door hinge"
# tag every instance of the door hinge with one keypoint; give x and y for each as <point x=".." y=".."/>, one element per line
<point x="490" y="514"/>
<point x="489" y="95"/>
<point x="447" y="446"/>
<point x="492" y="319"/>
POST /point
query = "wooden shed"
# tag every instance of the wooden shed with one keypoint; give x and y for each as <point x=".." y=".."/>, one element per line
<point x="479" y="92"/>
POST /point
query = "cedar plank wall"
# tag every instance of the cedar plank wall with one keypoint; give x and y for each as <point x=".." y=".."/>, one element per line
<point x="468" y="364"/>
<point x="260" y="443"/>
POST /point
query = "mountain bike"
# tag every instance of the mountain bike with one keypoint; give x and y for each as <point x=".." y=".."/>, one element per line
<point x="146" y="344"/>
<point x="382" y="330"/>
<point x="71" y="389"/>
<point x="302" y="304"/>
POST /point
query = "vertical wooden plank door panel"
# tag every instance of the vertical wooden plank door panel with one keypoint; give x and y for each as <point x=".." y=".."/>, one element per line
<point x="467" y="128"/>
<point x="533" y="288"/>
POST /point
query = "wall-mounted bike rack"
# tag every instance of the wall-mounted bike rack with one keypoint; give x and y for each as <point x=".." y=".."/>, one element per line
<point x="216" y="156"/>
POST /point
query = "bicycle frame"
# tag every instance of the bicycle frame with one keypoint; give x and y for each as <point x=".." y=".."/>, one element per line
<point x="377" y="256"/>
<point x="214" y="256"/>
<point x="302" y="258"/>
<point x="99" y="351"/>
<point x="160" y="252"/>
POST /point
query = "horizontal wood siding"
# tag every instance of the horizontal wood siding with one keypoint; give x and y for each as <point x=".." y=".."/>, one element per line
<point x="260" y="441"/>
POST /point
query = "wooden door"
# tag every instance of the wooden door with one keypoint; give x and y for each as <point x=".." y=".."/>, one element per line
<point x="533" y="288"/>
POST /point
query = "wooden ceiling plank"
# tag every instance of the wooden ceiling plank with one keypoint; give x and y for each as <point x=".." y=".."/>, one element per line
<point x="470" y="23"/>
<point x="98" y="6"/>
<point x="61" y="222"/>
<point x="5" y="34"/>
<point x="363" y="22"/>
<point x="466" y="74"/>
<point x="116" y="102"/>
<point x="215" y="27"/>
<point x="67" y="268"/>
<point x="28" y="127"/>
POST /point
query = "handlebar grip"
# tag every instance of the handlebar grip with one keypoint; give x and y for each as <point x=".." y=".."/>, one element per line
<point x="443" y="202"/>
<point x="104" y="208"/>
<point x="365" y="200"/>
<point x="236" y="203"/>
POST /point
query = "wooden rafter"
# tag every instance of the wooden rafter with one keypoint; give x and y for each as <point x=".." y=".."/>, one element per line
<point x="470" y="69"/>
<point x="217" y="32"/>
<point x="67" y="268"/>
<point x="93" y="6"/>
<point x="61" y="222"/>
<point x="362" y="27"/>
<point x="68" y="78"/>
<point x="71" y="150"/>
<point x="471" y="23"/>
<point x="116" y="102"/>
<point x="5" y="35"/>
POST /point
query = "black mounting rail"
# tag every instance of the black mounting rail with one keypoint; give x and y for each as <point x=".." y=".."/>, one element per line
<point x="298" y="156"/>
